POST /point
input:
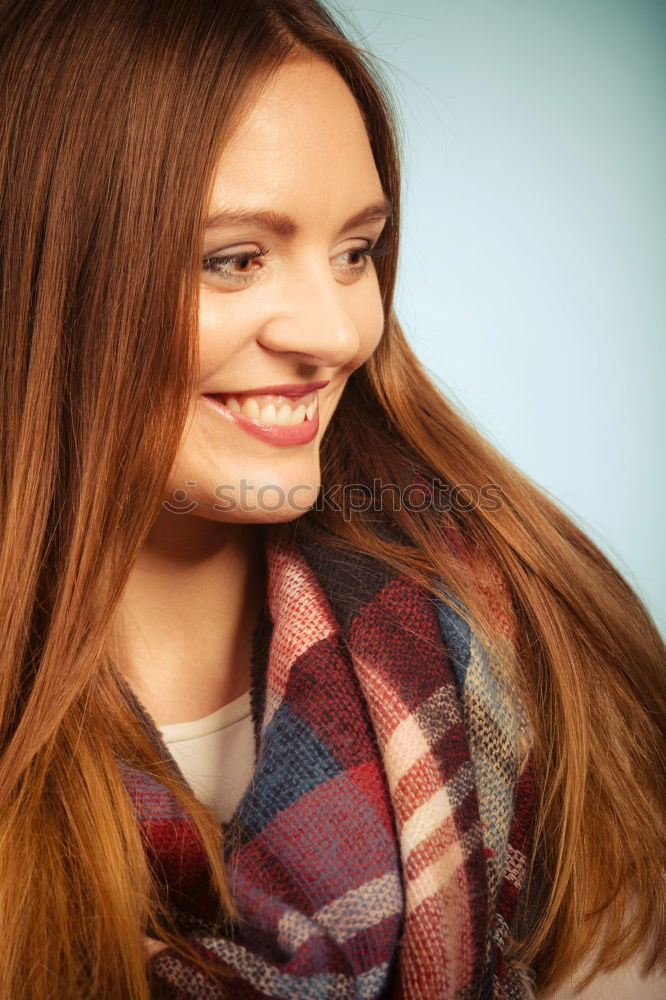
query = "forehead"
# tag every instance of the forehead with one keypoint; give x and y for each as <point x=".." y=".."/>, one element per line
<point x="302" y="146"/>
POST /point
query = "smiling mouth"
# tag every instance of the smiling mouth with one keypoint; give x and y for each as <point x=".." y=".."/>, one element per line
<point x="272" y="409"/>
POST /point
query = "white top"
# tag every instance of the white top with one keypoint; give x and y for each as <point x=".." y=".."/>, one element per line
<point x="216" y="755"/>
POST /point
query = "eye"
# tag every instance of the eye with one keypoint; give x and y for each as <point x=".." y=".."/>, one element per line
<point x="234" y="267"/>
<point x="359" y="259"/>
<point x="242" y="268"/>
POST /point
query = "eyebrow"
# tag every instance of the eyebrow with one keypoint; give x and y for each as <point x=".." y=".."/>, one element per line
<point x="284" y="225"/>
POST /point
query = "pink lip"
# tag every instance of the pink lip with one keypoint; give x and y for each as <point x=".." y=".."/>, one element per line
<point x="293" y="389"/>
<point x="271" y="433"/>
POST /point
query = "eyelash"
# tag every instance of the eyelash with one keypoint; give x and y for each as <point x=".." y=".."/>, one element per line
<point x="369" y="253"/>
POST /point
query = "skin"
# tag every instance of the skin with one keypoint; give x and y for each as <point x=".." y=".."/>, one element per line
<point x="307" y="311"/>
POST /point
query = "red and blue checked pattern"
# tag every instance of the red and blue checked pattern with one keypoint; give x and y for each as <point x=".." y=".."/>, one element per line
<point x="381" y="846"/>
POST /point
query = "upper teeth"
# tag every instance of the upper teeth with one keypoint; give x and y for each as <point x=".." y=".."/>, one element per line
<point x="282" y="414"/>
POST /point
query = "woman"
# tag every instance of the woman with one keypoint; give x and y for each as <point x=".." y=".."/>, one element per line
<point x="449" y="780"/>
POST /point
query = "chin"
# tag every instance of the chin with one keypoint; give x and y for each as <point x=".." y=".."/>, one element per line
<point x="283" y="516"/>
<point x="273" y="501"/>
<point x="285" y="502"/>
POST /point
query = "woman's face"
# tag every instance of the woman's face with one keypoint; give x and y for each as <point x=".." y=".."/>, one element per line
<point x="289" y="297"/>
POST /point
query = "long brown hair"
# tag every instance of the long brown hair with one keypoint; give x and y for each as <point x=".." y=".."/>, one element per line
<point x="116" y="112"/>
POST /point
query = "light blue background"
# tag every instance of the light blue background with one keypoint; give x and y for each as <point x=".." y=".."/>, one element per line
<point x="533" y="260"/>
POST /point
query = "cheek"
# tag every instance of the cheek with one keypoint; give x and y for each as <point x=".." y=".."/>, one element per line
<point x="370" y="320"/>
<point x="222" y="333"/>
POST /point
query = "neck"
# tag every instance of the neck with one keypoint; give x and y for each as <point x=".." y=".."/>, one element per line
<point x="182" y="633"/>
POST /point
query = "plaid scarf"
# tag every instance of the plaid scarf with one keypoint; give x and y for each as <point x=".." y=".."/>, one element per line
<point x="380" y="848"/>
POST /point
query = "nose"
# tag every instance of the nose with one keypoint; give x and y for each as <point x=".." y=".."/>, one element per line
<point x="311" y="316"/>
